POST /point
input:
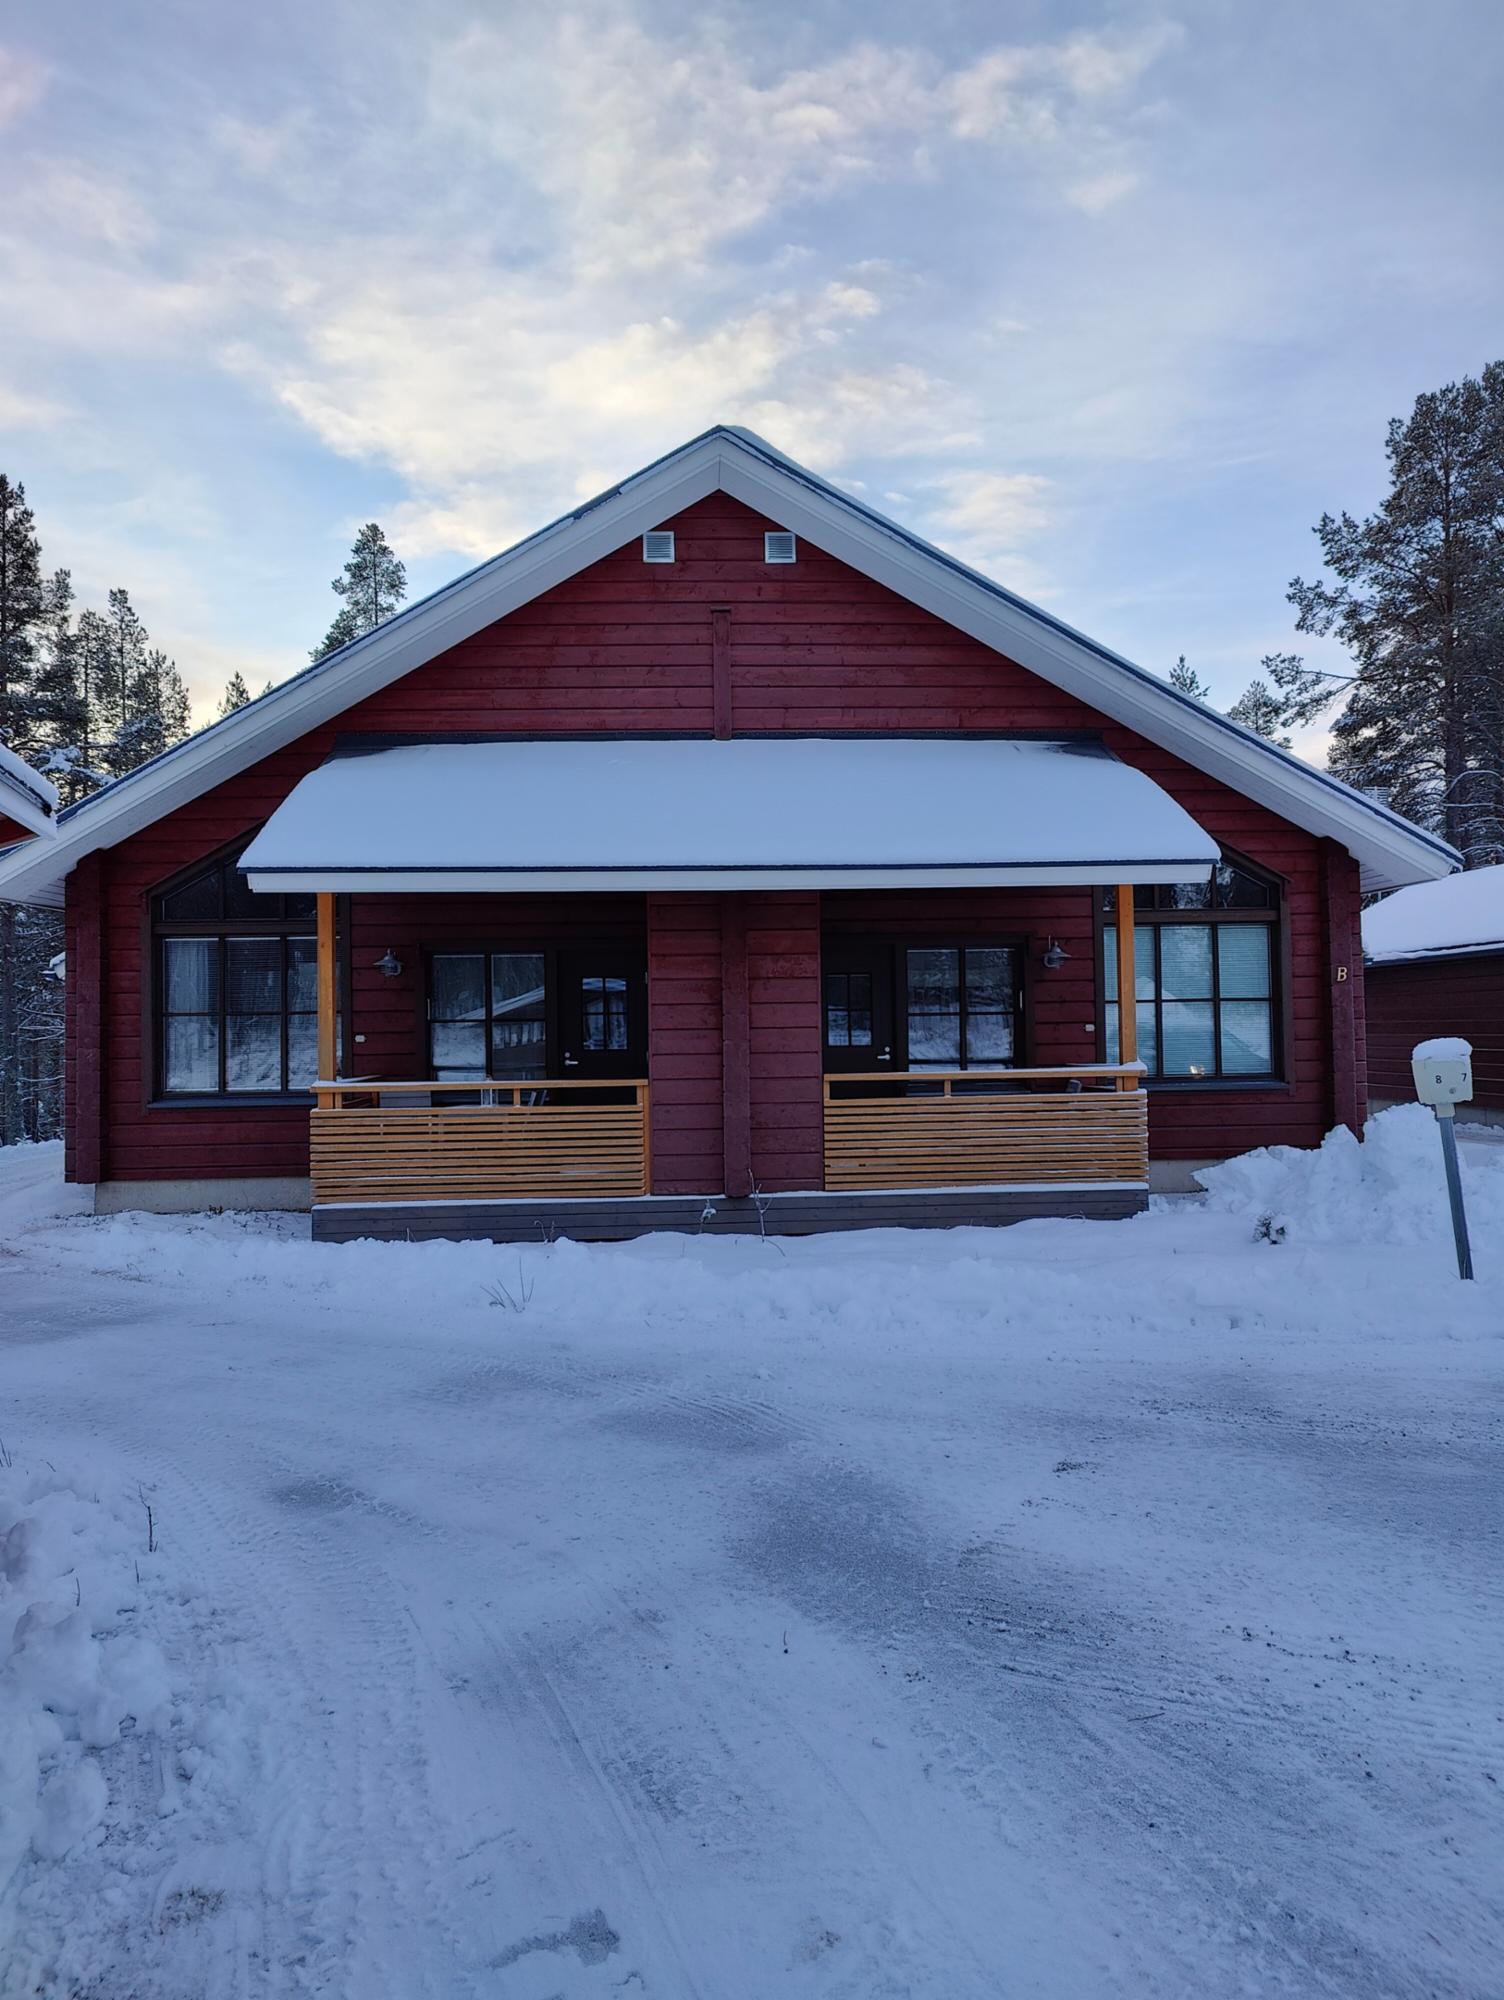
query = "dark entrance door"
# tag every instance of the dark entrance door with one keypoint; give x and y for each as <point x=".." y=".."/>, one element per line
<point x="857" y="1004"/>
<point x="603" y="1030"/>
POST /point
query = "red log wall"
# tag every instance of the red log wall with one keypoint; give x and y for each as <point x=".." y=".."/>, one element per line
<point x="1447" y="996"/>
<point x="625" y="646"/>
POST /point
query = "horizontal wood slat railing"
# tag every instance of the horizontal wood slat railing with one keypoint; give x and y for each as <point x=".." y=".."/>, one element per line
<point x="1000" y="1128"/>
<point x="375" y="1141"/>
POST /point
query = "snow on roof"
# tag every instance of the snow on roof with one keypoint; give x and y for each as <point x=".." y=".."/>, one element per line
<point x="790" y="812"/>
<point x="25" y="795"/>
<point x="1463" y="913"/>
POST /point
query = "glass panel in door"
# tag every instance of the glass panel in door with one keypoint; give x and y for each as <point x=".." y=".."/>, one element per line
<point x="457" y="1016"/>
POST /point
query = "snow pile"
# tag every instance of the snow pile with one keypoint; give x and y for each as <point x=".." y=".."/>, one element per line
<point x="73" y="1678"/>
<point x="1390" y="1189"/>
<point x="1461" y="913"/>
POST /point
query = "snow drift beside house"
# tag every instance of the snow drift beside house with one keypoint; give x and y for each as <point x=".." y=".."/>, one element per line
<point x="1389" y="1189"/>
<point x="1459" y="913"/>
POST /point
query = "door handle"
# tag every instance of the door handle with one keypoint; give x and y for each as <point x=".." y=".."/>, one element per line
<point x="886" y="1056"/>
<point x="571" y="1062"/>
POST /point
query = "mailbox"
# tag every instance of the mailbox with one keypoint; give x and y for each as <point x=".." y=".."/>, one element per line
<point x="1443" y="1072"/>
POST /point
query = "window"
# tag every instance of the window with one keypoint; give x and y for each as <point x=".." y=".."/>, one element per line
<point x="658" y="546"/>
<point x="1204" y="961"/>
<point x="961" y="1005"/>
<point x="236" y="986"/>
<point x="779" y="547"/>
<point x="487" y="1015"/>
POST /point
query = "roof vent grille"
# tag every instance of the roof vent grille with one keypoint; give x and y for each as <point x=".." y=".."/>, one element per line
<point x="658" y="545"/>
<point x="779" y="547"/>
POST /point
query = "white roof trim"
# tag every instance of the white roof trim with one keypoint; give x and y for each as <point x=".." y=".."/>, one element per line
<point x="1390" y="850"/>
<point x="26" y="796"/>
<point x="693" y="813"/>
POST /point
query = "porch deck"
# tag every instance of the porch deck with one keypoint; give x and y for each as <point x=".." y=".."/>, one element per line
<point x="516" y="1161"/>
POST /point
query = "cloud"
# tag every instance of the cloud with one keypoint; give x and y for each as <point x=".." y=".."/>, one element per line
<point x="653" y="151"/>
<point x="988" y="518"/>
<point x="23" y="81"/>
<point x="524" y="264"/>
<point x="1102" y="191"/>
<point x="20" y="411"/>
<point x="68" y="200"/>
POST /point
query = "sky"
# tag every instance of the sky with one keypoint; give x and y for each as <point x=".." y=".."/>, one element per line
<point x="1111" y="301"/>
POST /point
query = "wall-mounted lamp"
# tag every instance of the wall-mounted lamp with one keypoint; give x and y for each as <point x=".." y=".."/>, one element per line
<point x="1055" y="956"/>
<point x="389" y="965"/>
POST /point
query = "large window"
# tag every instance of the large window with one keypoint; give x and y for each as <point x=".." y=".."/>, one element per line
<point x="960" y="1002"/>
<point x="487" y="1015"/>
<point x="236" y="987"/>
<point x="1205" y="961"/>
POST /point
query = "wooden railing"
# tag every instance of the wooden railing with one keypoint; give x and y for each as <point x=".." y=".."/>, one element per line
<point x="376" y="1141"/>
<point x="979" y="1128"/>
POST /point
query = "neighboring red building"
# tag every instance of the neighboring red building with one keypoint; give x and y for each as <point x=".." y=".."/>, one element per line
<point x="721" y="856"/>
<point x="1434" y="959"/>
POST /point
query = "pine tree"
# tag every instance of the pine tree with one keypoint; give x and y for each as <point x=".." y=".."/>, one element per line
<point x="62" y="710"/>
<point x="21" y="606"/>
<point x="1186" y="680"/>
<point x="127" y="660"/>
<point x="374" y="583"/>
<point x="1258" y="708"/>
<point x="1419" y="604"/>
<point x="93" y="652"/>
<point x="159" y="711"/>
<point x="237" y="694"/>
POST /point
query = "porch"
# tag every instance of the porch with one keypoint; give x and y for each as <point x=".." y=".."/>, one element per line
<point x="519" y="1161"/>
<point x="736" y="1047"/>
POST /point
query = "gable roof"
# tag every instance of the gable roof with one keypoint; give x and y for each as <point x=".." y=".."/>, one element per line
<point x="1390" y="850"/>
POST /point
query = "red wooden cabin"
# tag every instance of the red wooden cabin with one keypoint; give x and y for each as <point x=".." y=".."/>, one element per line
<point x="722" y="856"/>
<point x="1434" y="965"/>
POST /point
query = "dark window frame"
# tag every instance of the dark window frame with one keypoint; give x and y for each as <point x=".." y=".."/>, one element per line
<point x="513" y="948"/>
<point x="1152" y="912"/>
<point x="894" y="947"/>
<point x="277" y="922"/>
<point x="553" y="951"/>
<point x="960" y="946"/>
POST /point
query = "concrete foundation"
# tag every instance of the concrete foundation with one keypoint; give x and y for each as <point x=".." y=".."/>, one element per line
<point x="194" y="1197"/>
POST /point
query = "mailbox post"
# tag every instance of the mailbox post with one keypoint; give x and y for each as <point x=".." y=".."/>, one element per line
<point x="1443" y="1072"/>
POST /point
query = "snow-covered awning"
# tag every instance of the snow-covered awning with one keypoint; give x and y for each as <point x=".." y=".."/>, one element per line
<point x="828" y="812"/>
<point x="27" y="799"/>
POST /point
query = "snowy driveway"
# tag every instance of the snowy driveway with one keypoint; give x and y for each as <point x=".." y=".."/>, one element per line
<point x="1078" y="1610"/>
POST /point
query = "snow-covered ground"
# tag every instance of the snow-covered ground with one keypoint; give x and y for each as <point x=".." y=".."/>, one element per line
<point x="1075" y="1610"/>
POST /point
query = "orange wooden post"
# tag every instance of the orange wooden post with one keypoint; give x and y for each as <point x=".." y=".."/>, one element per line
<point x="1127" y="985"/>
<point x="328" y="989"/>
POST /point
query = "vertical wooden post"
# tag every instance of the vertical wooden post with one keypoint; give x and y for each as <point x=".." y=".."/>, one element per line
<point x="88" y="972"/>
<point x="1127" y="984"/>
<point x="328" y="988"/>
<point x="1344" y="964"/>
<point x="736" y="1049"/>
<point x="720" y="671"/>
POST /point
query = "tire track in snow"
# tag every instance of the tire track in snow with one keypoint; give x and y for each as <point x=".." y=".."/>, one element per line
<point x="342" y="1783"/>
<point x="1209" y="1792"/>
